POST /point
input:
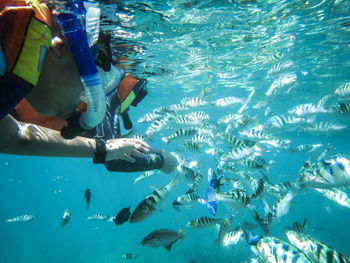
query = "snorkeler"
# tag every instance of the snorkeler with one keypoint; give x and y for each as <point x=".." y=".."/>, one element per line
<point x="45" y="65"/>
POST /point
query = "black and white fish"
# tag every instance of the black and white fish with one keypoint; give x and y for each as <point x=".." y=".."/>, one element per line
<point x="203" y="222"/>
<point x="224" y="226"/>
<point x="26" y="218"/>
<point x="97" y="217"/>
<point x="275" y="250"/>
<point x="315" y="250"/>
<point x="227" y="101"/>
<point x="194" y="102"/>
<point x="327" y="173"/>
<point x="152" y="202"/>
<point x="343" y="91"/>
<point x="307" y="109"/>
<point x="232" y="237"/>
<point x="323" y="127"/>
<point x="180" y="134"/>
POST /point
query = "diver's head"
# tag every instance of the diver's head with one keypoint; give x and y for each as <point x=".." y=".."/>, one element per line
<point x="59" y="88"/>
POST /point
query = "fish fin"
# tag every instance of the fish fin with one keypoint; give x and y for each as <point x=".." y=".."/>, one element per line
<point x="166" y="140"/>
<point x="168" y="247"/>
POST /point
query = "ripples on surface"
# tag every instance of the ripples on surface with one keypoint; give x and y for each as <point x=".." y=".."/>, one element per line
<point x="233" y="44"/>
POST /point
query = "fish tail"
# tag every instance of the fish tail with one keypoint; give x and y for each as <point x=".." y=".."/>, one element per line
<point x="181" y="233"/>
<point x="261" y="222"/>
<point x="166" y="140"/>
<point x="259" y="189"/>
<point x="176" y="180"/>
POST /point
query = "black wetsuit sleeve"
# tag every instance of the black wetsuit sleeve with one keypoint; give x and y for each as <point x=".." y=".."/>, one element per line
<point x="146" y="163"/>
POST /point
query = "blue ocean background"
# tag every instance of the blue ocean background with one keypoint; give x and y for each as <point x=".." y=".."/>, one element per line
<point x="182" y="48"/>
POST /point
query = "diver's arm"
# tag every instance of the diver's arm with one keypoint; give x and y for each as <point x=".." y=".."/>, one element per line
<point x="29" y="139"/>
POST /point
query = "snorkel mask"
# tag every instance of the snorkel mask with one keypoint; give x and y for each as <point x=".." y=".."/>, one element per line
<point x="77" y="37"/>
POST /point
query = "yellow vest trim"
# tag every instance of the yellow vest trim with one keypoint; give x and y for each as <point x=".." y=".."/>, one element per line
<point x="125" y="104"/>
<point x="35" y="46"/>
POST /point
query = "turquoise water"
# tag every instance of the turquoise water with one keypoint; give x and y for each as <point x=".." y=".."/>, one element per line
<point x="229" y="48"/>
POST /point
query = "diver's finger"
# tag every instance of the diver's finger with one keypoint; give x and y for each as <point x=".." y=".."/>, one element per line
<point x="128" y="158"/>
<point x="137" y="153"/>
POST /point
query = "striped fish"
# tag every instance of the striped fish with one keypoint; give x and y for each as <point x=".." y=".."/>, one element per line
<point x="343" y="90"/>
<point x="191" y="145"/>
<point x="284" y="123"/>
<point x="279" y="209"/>
<point x="315" y="250"/>
<point x="156" y="126"/>
<point x="224" y="225"/>
<point x="236" y="199"/>
<point x="232" y="237"/>
<point x="305" y="147"/>
<point x="299" y="227"/>
<point x="150" y="117"/>
<point x="343" y="108"/>
<point x="186" y="199"/>
<point x="279" y="66"/>
<point x="229" y="118"/>
<point x="180" y="133"/>
<point x="182" y="119"/>
<point x="327" y="173"/>
<point x="336" y="196"/>
<point x="177" y="108"/>
<point x="250" y="164"/>
<point x="98" y="217"/>
<point x="144" y="176"/>
<point x="194" y="102"/>
<point x="198" y="116"/>
<point x="275" y="250"/>
<point x="21" y="219"/>
<point x="194" y="177"/>
<point x="323" y="127"/>
<point x="306" y="109"/>
<point x="326" y="100"/>
<point x="203" y="222"/>
<point x="256" y="135"/>
<point x="227" y="101"/>
<point x="234" y="141"/>
<point x="241" y="152"/>
<point x="152" y="202"/>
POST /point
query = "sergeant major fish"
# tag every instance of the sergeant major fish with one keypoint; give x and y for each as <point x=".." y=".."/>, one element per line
<point x="315" y="250"/>
<point x="203" y="222"/>
<point x="275" y="250"/>
<point x="152" y="202"/>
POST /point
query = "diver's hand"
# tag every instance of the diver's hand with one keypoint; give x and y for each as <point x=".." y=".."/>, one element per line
<point x="170" y="163"/>
<point x="170" y="160"/>
<point x="122" y="148"/>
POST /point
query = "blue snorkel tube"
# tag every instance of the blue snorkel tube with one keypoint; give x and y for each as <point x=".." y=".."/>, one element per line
<point x="89" y="75"/>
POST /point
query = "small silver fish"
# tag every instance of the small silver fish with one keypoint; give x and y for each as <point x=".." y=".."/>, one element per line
<point x="203" y="222"/>
<point x="65" y="218"/>
<point x="130" y="255"/>
<point x="21" y="219"/>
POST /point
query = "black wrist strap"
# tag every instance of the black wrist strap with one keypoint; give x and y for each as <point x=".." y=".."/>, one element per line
<point x="100" y="151"/>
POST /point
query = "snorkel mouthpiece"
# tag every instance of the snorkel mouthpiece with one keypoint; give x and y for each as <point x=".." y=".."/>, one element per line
<point x="96" y="102"/>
